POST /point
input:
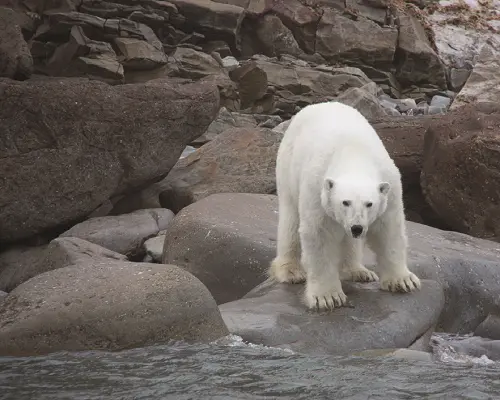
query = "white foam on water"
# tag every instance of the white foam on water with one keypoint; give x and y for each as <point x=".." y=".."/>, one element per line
<point x="237" y="341"/>
<point x="446" y="353"/>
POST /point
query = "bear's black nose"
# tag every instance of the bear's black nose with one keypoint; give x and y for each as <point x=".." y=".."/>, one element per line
<point x="356" y="230"/>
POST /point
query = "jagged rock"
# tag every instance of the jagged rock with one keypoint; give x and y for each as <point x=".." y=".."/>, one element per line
<point x="275" y="38"/>
<point x="341" y="38"/>
<point x="252" y="82"/>
<point x="194" y="64"/>
<point x="139" y="55"/>
<point x="483" y="84"/>
<point x="58" y="164"/>
<point x="364" y="100"/>
<point x="16" y="61"/>
<point x="416" y="61"/>
<point x="81" y="56"/>
<point x="214" y="18"/>
<point x="296" y="84"/>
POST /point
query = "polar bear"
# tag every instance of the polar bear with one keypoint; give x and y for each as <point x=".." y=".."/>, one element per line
<point x="338" y="188"/>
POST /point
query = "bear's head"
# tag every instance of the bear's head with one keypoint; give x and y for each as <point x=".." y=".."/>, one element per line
<point x="354" y="204"/>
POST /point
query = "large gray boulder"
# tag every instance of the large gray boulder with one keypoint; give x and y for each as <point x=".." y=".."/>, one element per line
<point x="274" y="315"/>
<point x="107" y="306"/>
<point x="69" y="144"/>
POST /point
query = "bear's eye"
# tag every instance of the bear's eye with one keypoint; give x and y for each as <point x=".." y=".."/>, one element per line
<point x="369" y="204"/>
<point x="346" y="203"/>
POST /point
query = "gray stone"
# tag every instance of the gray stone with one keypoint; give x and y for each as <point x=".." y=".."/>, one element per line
<point x="192" y="64"/>
<point x="230" y="62"/>
<point x="225" y="240"/>
<point x="125" y="233"/>
<point x="2" y="295"/>
<point x="154" y="247"/>
<point x="58" y="164"/>
<point x="433" y="110"/>
<point x="440" y="101"/>
<point x="274" y="315"/>
<point x="138" y="54"/>
<point x="19" y="264"/>
<point x="99" y="305"/>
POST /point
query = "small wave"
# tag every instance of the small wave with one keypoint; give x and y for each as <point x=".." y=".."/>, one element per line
<point x="237" y="341"/>
<point x="444" y="351"/>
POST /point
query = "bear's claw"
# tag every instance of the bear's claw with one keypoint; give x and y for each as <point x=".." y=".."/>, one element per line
<point x="406" y="283"/>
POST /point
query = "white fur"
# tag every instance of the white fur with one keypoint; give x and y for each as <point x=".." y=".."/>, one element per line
<point x="331" y="154"/>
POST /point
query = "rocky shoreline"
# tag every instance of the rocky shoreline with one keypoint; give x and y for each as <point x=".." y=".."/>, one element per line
<point x="138" y="146"/>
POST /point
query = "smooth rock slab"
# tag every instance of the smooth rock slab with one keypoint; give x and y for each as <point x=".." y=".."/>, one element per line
<point x="226" y="241"/>
<point x="107" y="306"/>
<point x="274" y="315"/>
<point x="124" y="234"/>
<point x="19" y="264"/>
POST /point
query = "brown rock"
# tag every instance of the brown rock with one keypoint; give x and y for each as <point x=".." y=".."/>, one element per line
<point x="15" y="57"/>
<point x="213" y="18"/>
<point x="99" y="305"/>
<point x="461" y="170"/>
<point x="240" y="160"/>
<point x="341" y="38"/>
<point x="57" y="165"/>
<point x="138" y="54"/>
<point x="19" y="264"/>
<point x="226" y="241"/>
<point x="192" y="64"/>
<point x="81" y="56"/>
<point x="301" y="20"/>
<point x="58" y="25"/>
<point x="226" y="120"/>
<point x="416" y="61"/>
<point x="275" y="38"/>
<point x="252" y="82"/>
<point x="297" y="84"/>
<point x="125" y="233"/>
<point x="364" y="100"/>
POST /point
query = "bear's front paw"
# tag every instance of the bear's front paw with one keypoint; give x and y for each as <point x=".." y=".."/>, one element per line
<point x="287" y="271"/>
<point x="405" y="283"/>
<point x="359" y="274"/>
<point x="318" y="297"/>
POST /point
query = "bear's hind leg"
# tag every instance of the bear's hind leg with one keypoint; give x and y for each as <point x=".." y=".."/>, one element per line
<point x="321" y="260"/>
<point x="352" y="257"/>
<point x="387" y="238"/>
<point x="286" y="268"/>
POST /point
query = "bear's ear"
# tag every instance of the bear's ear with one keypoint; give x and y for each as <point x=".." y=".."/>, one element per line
<point x="384" y="187"/>
<point x="328" y="183"/>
